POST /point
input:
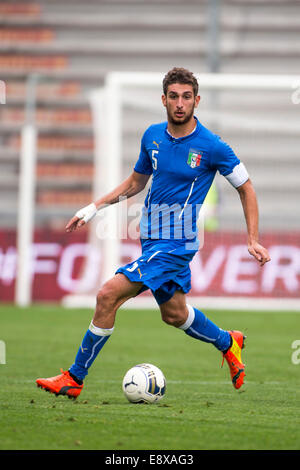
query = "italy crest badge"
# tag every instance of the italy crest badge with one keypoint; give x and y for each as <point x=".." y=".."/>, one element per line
<point x="194" y="158"/>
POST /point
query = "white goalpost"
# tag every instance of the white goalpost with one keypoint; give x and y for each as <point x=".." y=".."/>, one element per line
<point x="26" y="199"/>
<point x="117" y="135"/>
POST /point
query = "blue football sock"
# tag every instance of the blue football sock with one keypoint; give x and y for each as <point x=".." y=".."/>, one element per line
<point x="92" y="343"/>
<point x="200" y="327"/>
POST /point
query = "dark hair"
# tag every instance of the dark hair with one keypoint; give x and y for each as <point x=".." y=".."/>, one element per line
<point x="180" y="75"/>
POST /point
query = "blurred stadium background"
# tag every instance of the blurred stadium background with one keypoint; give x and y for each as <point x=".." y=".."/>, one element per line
<point x="54" y="54"/>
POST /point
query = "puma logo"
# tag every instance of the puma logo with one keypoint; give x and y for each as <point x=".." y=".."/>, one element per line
<point x="140" y="273"/>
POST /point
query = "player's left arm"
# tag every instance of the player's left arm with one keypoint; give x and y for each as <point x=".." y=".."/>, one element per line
<point x="228" y="164"/>
<point x="250" y="207"/>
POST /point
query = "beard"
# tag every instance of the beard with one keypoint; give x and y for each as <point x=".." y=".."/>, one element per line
<point x="179" y="121"/>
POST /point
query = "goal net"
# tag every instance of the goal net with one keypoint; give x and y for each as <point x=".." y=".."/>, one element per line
<point x="258" y="116"/>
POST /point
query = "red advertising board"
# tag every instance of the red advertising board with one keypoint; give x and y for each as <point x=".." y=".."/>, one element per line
<point x="222" y="267"/>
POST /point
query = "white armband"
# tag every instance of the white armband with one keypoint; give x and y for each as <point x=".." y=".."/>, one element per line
<point x="238" y="176"/>
<point x="87" y="213"/>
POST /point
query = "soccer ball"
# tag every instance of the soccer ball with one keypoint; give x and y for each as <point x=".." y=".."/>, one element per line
<point x="144" y="383"/>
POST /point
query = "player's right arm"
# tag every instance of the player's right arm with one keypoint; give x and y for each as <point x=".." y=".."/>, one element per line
<point x="134" y="184"/>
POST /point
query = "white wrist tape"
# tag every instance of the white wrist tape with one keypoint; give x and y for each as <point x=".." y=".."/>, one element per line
<point x="87" y="213"/>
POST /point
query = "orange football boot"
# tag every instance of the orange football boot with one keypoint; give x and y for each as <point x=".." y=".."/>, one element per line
<point x="62" y="384"/>
<point x="234" y="360"/>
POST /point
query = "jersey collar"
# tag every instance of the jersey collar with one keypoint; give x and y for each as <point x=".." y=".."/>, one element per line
<point x="194" y="132"/>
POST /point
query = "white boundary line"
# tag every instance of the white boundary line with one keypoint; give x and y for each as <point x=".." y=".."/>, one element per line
<point x="218" y="303"/>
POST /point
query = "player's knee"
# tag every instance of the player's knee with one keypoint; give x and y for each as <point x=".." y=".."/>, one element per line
<point x="106" y="298"/>
<point x="172" y="317"/>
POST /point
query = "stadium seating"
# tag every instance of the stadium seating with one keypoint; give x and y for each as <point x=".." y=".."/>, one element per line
<point x="73" y="44"/>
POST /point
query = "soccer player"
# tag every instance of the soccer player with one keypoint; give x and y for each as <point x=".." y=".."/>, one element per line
<point x="182" y="156"/>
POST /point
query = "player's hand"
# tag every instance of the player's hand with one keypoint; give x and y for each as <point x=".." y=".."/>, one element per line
<point x="259" y="252"/>
<point x="74" y="223"/>
<point x="81" y="217"/>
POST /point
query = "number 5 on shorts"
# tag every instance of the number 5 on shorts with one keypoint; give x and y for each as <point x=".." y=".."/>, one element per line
<point x="133" y="267"/>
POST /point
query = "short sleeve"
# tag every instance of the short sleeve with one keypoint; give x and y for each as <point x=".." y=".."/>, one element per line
<point x="143" y="164"/>
<point x="228" y="164"/>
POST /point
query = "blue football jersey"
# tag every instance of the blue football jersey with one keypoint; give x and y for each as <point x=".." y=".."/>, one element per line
<point x="182" y="170"/>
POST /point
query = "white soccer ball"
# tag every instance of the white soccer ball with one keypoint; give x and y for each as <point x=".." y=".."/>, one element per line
<point x="144" y="383"/>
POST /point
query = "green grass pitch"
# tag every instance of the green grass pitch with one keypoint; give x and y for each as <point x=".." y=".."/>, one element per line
<point x="201" y="409"/>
